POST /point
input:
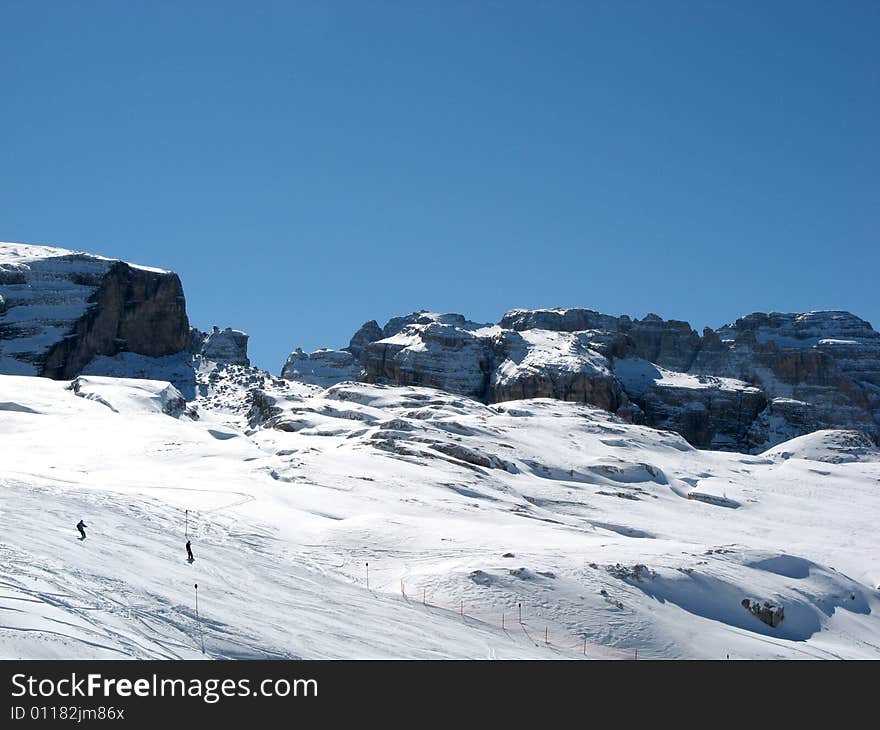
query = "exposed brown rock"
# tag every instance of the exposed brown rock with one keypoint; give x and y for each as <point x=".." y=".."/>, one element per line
<point x="134" y="310"/>
<point x="746" y="386"/>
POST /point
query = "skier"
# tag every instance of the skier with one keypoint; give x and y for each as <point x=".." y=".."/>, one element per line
<point x="81" y="526"/>
<point x="189" y="552"/>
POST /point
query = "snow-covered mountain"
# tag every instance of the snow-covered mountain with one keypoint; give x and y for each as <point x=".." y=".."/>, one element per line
<point x="65" y="313"/>
<point x="487" y="491"/>
<point x="59" y="309"/>
<point x="744" y="387"/>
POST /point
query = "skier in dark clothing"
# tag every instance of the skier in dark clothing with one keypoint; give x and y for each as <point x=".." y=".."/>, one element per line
<point x="81" y="526"/>
<point x="189" y="552"/>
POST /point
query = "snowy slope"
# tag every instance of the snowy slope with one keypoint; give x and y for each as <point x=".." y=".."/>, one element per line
<point x="602" y="530"/>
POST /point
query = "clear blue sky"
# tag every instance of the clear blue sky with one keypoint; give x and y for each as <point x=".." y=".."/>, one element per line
<point x="306" y="166"/>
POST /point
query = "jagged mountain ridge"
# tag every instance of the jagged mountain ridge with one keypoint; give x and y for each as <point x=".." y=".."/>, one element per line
<point x="746" y="386"/>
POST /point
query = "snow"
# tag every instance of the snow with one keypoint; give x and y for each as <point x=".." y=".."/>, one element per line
<point x="179" y="370"/>
<point x="552" y="353"/>
<point x="637" y="376"/>
<point x="834" y="446"/>
<point x="27" y="253"/>
<point x="130" y="396"/>
<point x="619" y="534"/>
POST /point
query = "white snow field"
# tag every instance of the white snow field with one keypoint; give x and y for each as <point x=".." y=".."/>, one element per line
<point x="619" y="535"/>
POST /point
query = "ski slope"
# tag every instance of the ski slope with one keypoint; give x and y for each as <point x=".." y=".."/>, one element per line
<point x="619" y="535"/>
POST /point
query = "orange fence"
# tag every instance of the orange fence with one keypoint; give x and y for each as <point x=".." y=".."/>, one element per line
<point x="532" y="627"/>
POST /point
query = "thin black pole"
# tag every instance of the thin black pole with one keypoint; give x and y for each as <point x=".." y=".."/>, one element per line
<point x="199" y="620"/>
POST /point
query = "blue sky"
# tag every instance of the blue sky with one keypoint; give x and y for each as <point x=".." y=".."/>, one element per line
<point x="306" y="166"/>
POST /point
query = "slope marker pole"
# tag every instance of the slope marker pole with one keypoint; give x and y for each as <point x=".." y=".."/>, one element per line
<point x="368" y="576"/>
<point x="199" y="620"/>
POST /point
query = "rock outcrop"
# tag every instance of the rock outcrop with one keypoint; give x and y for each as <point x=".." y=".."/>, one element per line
<point x="559" y="320"/>
<point x="764" y="379"/>
<point x="819" y="369"/>
<point x="669" y="343"/>
<point x="322" y="367"/>
<point x="63" y="308"/>
<point x="770" y="614"/>
<point x="220" y="345"/>
<point x="438" y="351"/>
<point x="831" y="446"/>
<point x="369" y="332"/>
<point x="546" y="364"/>
<point x="710" y="412"/>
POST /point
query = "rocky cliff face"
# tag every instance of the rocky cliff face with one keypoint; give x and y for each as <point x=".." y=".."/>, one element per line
<point x="671" y="344"/>
<point x="569" y="366"/>
<point x="63" y="308"/>
<point x="821" y="370"/>
<point x="710" y="412"/>
<point x="439" y="351"/>
<point x="322" y="367"/>
<point x="220" y="345"/>
<point x="746" y="386"/>
<point x="369" y="332"/>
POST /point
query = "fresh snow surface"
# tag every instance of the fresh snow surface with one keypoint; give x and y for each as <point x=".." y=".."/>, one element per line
<point x="551" y="354"/>
<point x="638" y="376"/>
<point x="130" y="396"/>
<point x="828" y="445"/>
<point x="618" y="534"/>
<point x="28" y="253"/>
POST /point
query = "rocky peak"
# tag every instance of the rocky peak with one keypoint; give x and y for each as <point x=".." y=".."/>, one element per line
<point x="799" y="329"/>
<point x="220" y="345"/>
<point x="424" y="317"/>
<point x="559" y="320"/>
<point x="322" y="367"/>
<point x="745" y="386"/>
<point x="369" y="332"/>
<point x="443" y="351"/>
<point x="820" y="369"/>
<point x="62" y="308"/>
<point x="670" y="343"/>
